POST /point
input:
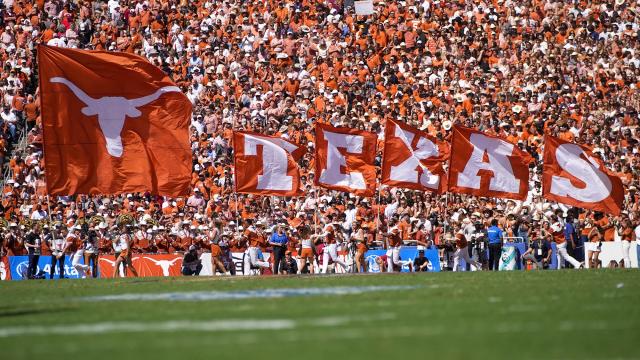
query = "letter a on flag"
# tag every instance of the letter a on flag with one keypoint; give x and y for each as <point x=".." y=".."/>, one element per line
<point x="413" y="159"/>
<point x="345" y="159"/>
<point x="266" y="165"/>
<point x="112" y="123"/>
<point x="485" y="165"/>
<point x="573" y="175"/>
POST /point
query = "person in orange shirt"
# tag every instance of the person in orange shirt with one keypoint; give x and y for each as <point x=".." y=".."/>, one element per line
<point x="394" y="244"/>
<point x="358" y="235"/>
<point x="74" y="246"/>
<point x="254" y="236"/>
<point x="330" y="250"/>
<point x="462" y="252"/>
<point x="216" y="258"/>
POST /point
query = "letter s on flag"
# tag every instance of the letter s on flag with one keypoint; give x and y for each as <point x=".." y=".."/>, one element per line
<point x="573" y="175"/>
<point x="486" y="165"/>
<point x="413" y="159"/>
<point x="266" y="165"/>
<point x="345" y="159"/>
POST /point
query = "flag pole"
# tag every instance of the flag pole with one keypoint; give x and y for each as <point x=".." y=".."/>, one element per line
<point x="378" y="212"/>
<point x="50" y="218"/>
<point x="235" y="175"/>
<point x="315" y="229"/>
<point x="446" y="206"/>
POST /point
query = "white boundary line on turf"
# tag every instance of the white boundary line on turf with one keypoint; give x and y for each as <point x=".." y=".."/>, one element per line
<point x="248" y="294"/>
<point x="185" y="325"/>
<point x="167" y="326"/>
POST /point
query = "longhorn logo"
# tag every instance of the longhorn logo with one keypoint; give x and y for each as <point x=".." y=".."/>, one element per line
<point x="3" y="271"/>
<point x="113" y="263"/>
<point x="112" y="111"/>
<point x="165" y="265"/>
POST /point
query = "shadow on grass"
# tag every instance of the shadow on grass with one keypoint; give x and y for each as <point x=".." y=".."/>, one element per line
<point x="7" y="312"/>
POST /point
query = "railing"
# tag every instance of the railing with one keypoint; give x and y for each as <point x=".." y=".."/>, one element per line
<point x="21" y="144"/>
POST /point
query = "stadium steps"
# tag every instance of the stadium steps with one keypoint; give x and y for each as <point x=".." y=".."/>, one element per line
<point x="21" y="145"/>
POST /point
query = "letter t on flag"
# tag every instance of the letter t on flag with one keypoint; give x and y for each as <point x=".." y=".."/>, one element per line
<point x="112" y="123"/>
<point x="266" y="165"/>
<point x="573" y="175"/>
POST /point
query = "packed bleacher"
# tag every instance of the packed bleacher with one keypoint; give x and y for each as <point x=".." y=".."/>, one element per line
<point x="518" y="69"/>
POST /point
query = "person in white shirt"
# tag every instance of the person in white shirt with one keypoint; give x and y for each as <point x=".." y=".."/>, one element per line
<point x="75" y="247"/>
<point x="38" y="213"/>
<point x="56" y="244"/>
<point x="91" y="251"/>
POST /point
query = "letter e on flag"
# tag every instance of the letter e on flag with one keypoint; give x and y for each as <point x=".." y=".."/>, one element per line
<point x="112" y="123"/>
<point x="266" y="165"/>
<point x="345" y="159"/>
<point x="485" y="165"/>
<point x="573" y="175"/>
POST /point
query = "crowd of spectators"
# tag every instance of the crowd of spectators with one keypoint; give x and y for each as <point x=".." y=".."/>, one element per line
<point x="514" y="68"/>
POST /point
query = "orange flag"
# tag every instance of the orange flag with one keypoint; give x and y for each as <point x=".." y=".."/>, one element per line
<point x="573" y="175"/>
<point x="413" y="159"/>
<point x="113" y="123"/>
<point x="266" y="165"/>
<point x="345" y="159"/>
<point x="486" y="165"/>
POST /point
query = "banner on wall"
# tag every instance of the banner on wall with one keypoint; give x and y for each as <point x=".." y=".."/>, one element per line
<point x="507" y="258"/>
<point x="407" y="255"/>
<point x="18" y="266"/>
<point x="5" y="272"/>
<point x="145" y="265"/>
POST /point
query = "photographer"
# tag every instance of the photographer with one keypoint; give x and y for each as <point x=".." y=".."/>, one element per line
<point x="420" y="263"/>
<point x="447" y="249"/>
<point x="479" y="243"/>
<point x="33" y="241"/>
<point x="91" y="251"/>
<point x="539" y="253"/>
<point x="225" y="256"/>
<point x="191" y="264"/>
<point x="291" y="265"/>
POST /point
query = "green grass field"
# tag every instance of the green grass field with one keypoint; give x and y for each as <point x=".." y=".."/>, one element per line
<point x="511" y="315"/>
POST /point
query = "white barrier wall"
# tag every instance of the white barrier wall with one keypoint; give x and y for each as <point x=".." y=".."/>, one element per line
<point x="238" y="259"/>
<point x="612" y="250"/>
